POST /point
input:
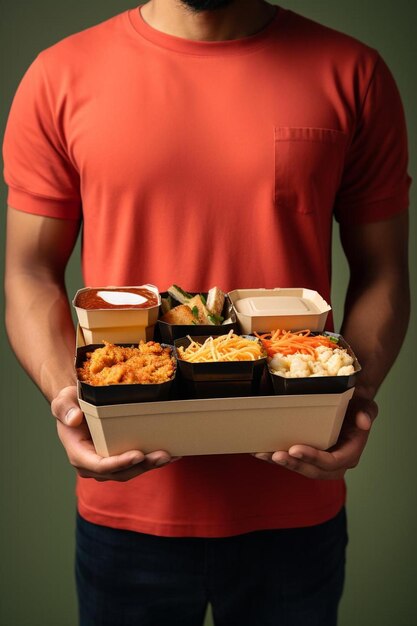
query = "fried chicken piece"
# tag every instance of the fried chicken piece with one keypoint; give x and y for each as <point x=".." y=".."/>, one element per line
<point x="108" y="356"/>
<point x="149" y="363"/>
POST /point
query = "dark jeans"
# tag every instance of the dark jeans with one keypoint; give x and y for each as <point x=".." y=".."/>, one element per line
<point x="291" y="577"/>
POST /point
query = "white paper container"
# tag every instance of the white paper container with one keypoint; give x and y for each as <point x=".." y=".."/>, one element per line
<point x="218" y="425"/>
<point x="264" y="310"/>
<point x="106" y="318"/>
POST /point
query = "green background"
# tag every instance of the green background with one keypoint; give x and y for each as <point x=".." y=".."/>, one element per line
<point x="37" y="483"/>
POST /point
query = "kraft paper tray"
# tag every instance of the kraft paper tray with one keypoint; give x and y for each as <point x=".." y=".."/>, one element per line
<point x="218" y="425"/>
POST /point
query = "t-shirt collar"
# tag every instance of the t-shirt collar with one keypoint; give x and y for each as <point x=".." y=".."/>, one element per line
<point x="204" y="48"/>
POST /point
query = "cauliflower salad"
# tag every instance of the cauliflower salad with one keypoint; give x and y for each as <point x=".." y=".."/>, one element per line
<point x="324" y="362"/>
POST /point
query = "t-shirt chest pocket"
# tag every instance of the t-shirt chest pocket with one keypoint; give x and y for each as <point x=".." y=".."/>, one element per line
<point x="308" y="168"/>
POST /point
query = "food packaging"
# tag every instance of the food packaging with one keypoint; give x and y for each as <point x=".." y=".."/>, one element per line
<point x="225" y="425"/>
<point x="318" y="384"/>
<point x="117" y="317"/>
<point x="218" y="379"/>
<point x="120" y="394"/>
<point x="217" y="425"/>
<point x="263" y="310"/>
<point x="123" y="334"/>
<point x="169" y="332"/>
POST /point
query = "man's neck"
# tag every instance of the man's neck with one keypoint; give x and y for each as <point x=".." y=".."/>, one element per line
<point x="239" y="19"/>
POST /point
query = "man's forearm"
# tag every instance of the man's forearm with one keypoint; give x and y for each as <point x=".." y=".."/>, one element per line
<point x="375" y="323"/>
<point x="40" y="330"/>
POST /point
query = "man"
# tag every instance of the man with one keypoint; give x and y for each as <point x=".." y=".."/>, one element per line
<point x="207" y="143"/>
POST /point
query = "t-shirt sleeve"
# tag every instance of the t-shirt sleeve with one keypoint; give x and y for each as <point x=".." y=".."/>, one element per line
<point x="37" y="168"/>
<point x="375" y="184"/>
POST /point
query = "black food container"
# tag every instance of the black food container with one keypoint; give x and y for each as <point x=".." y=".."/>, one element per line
<point x="121" y="394"/>
<point x="169" y="332"/>
<point x="318" y="384"/>
<point x="218" y="379"/>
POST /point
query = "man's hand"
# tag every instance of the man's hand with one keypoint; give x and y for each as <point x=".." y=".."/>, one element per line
<point x="75" y="437"/>
<point x="333" y="463"/>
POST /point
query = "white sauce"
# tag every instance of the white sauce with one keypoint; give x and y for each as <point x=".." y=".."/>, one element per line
<point x="120" y="298"/>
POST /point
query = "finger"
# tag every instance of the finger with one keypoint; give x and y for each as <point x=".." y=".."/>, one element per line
<point x="87" y="459"/>
<point x="263" y="456"/>
<point x="155" y="461"/>
<point x="157" y="458"/>
<point x="139" y="469"/>
<point x="65" y="407"/>
<point x="90" y="464"/>
<point x="116" y="463"/>
<point x="364" y="412"/>
<point x="322" y="459"/>
<point x="306" y="469"/>
<point x="344" y="455"/>
<point x="124" y="475"/>
<point x="121" y="477"/>
<point x="82" y="455"/>
<point x="363" y="420"/>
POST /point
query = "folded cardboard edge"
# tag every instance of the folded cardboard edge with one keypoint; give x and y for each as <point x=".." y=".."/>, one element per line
<point x="213" y="404"/>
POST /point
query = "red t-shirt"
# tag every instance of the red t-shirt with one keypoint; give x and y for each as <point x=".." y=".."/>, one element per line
<point x="206" y="163"/>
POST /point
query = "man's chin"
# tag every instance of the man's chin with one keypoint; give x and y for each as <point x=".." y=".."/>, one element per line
<point x="205" y="5"/>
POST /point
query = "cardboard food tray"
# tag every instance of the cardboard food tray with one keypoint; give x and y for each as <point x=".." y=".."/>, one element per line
<point x="216" y="425"/>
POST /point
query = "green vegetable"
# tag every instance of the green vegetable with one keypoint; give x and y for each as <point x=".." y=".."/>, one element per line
<point x="216" y="319"/>
<point x="204" y="301"/>
<point x="334" y="339"/>
<point x="195" y="311"/>
<point x="184" y="293"/>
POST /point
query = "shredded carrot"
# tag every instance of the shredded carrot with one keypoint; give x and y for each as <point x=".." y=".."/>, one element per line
<point x="286" y="342"/>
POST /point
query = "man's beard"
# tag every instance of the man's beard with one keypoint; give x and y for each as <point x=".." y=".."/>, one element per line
<point x="205" y="5"/>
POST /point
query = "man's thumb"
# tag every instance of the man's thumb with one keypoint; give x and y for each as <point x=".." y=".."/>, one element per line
<point x="366" y="415"/>
<point x="65" y="407"/>
<point x="73" y="416"/>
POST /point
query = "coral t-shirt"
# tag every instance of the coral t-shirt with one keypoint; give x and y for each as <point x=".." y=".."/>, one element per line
<point x="208" y="163"/>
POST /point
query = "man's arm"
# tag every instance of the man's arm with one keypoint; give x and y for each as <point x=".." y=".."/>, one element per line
<point x="38" y="318"/>
<point x="377" y="306"/>
<point x="41" y="333"/>
<point x="375" y="321"/>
